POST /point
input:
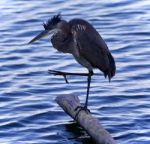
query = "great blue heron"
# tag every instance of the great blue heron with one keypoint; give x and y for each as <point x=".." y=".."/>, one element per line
<point x="79" y="38"/>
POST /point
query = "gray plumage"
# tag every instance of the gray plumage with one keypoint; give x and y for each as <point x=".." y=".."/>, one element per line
<point x="79" y="38"/>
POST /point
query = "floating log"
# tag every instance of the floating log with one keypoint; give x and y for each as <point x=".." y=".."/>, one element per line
<point x="86" y="120"/>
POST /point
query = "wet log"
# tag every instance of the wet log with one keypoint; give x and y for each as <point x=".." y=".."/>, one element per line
<point x="91" y="125"/>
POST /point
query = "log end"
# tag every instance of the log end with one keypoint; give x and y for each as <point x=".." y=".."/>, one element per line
<point x="91" y="125"/>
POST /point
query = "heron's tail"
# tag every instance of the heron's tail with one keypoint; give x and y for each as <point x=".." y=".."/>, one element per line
<point x="110" y="72"/>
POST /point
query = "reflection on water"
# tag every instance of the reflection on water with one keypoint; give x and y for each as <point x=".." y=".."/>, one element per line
<point x="77" y="133"/>
<point x="28" y="111"/>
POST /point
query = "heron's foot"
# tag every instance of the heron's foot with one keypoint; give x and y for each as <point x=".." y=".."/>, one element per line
<point x="54" y="72"/>
<point x="81" y="108"/>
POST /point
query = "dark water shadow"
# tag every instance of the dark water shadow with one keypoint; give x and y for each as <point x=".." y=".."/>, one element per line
<point x="78" y="133"/>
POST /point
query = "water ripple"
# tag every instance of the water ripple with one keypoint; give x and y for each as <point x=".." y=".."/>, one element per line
<point x="29" y="113"/>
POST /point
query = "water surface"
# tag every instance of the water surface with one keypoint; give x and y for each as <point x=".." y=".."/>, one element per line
<point x="28" y="111"/>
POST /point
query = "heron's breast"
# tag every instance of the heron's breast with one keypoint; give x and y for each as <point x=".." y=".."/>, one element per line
<point x="62" y="44"/>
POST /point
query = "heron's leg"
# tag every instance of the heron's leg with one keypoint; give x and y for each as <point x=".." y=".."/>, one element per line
<point x="64" y="74"/>
<point x="88" y="88"/>
<point x="87" y="96"/>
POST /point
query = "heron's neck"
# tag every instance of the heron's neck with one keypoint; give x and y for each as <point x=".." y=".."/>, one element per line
<point x="62" y="42"/>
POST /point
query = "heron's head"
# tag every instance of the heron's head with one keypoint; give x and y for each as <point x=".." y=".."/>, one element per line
<point x="53" y="25"/>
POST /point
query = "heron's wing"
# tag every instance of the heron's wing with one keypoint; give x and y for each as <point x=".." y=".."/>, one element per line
<point x="92" y="47"/>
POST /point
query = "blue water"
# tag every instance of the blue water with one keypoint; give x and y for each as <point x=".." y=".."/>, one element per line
<point x="28" y="111"/>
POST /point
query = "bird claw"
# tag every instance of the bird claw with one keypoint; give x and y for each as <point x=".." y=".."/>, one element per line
<point x="58" y="73"/>
<point x="80" y="109"/>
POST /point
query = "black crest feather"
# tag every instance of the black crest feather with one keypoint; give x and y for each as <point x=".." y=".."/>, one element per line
<point x="53" y="21"/>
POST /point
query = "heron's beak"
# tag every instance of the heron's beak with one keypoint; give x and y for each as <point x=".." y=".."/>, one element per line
<point x="43" y="34"/>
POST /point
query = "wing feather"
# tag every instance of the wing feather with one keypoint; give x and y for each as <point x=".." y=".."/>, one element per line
<point x="92" y="47"/>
